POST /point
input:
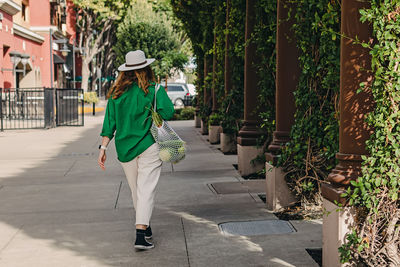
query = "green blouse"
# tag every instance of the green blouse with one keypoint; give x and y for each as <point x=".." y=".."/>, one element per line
<point x="129" y="117"/>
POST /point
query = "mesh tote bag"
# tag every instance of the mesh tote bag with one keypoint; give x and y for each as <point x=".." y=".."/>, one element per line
<point x="172" y="147"/>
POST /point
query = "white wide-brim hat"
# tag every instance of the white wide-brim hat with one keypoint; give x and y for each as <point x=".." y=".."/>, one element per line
<point x="135" y="60"/>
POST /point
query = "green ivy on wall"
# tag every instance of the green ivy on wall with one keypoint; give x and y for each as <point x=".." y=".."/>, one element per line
<point x="232" y="104"/>
<point x="264" y="38"/>
<point x="310" y="155"/>
<point x="197" y="22"/>
<point x="375" y="239"/>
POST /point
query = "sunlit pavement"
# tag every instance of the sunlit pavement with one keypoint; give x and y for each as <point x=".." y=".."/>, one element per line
<point x="59" y="209"/>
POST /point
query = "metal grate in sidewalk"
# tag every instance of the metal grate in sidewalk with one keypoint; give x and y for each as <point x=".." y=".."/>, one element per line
<point x="252" y="228"/>
<point x="257" y="186"/>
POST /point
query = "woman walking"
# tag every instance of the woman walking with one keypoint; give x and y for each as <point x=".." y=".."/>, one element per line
<point x="128" y="115"/>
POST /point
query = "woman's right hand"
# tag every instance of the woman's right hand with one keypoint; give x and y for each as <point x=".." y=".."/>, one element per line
<point x="102" y="159"/>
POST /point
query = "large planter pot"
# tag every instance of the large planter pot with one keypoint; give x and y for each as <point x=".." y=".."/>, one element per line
<point x="204" y="127"/>
<point x="197" y="121"/>
<point x="214" y="133"/>
<point x="228" y="144"/>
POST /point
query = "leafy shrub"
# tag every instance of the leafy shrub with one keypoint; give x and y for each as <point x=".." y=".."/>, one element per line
<point x="90" y="97"/>
<point x="187" y="113"/>
<point x="214" y="119"/>
<point x="184" y="114"/>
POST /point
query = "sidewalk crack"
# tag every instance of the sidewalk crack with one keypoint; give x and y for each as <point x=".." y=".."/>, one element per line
<point x="119" y="190"/>
<point x="70" y="168"/>
<point x="186" y="246"/>
<point x="11" y="239"/>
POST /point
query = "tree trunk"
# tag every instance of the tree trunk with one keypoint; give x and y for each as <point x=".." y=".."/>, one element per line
<point x="85" y="75"/>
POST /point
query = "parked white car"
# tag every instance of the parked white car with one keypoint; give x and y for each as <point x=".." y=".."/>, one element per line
<point x="179" y="94"/>
<point x="192" y="89"/>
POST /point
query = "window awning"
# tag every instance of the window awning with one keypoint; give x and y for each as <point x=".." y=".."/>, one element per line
<point x="57" y="59"/>
<point x="28" y="66"/>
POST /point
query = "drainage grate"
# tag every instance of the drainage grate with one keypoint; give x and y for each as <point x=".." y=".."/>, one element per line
<point x="251" y="228"/>
<point x="239" y="187"/>
<point x="316" y="254"/>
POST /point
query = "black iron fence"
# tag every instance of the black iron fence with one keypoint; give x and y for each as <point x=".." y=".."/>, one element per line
<point x="188" y="100"/>
<point x="70" y="107"/>
<point x="35" y="108"/>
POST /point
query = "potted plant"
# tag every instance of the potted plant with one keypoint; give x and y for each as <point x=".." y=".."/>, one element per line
<point x="205" y="111"/>
<point x="197" y="118"/>
<point x="214" y="128"/>
<point x="230" y="127"/>
<point x="232" y="112"/>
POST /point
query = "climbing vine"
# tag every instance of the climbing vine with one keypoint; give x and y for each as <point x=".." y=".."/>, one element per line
<point x="375" y="239"/>
<point x="219" y="50"/>
<point x="196" y="19"/>
<point x="232" y="104"/>
<point x="310" y="155"/>
<point x="264" y="38"/>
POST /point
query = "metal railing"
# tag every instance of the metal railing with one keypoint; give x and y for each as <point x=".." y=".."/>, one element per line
<point x="22" y="108"/>
<point x="36" y="108"/>
<point x="70" y="107"/>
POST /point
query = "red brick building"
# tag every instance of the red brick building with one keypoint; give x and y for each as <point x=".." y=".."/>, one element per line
<point x="26" y="60"/>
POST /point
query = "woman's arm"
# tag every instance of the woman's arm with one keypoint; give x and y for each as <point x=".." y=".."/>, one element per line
<point x="109" y="126"/>
<point x="102" y="154"/>
<point x="164" y="105"/>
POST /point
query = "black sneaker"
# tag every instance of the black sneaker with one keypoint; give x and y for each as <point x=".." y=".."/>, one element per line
<point x="141" y="242"/>
<point x="148" y="234"/>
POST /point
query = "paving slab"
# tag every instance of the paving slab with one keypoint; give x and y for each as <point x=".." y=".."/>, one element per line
<point x="59" y="209"/>
<point x="254" y="186"/>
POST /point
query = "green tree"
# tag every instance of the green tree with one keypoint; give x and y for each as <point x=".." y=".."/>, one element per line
<point x="95" y="23"/>
<point x="144" y="29"/>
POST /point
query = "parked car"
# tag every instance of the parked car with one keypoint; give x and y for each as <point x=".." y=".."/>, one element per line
<point x="192" y="89"/>
<point x="179" y="94"/>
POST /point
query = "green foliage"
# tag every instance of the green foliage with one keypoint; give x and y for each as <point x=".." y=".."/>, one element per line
<point x="151" y="32"/>
<point x="186" y="113"/>
<point x="232" y="103"/>
<point x="90" y="97"/>
<point x="103" y="9"/>
<point x="96" y="21"/>
<point x="204" y="112"/>
<point x="196" y="19"/>
<point x="232" y="111"/>
<point x="310" y="154"/>
<point x="214" y="119"/>
<point x="375" y="239"/>
<point x="264" y="38"/>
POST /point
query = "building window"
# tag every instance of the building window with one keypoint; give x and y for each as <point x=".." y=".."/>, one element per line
<point x="23" y="12"/>
<point x="5" y="50"/>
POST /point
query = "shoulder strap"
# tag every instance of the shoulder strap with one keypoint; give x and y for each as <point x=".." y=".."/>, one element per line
<point x="157" y="87"/>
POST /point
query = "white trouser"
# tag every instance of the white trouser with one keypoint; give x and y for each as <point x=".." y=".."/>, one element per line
<point x="142" y="174"/>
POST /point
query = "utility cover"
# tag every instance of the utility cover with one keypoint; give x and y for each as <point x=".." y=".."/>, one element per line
<point x="257" y="186"/>
<point x="252" y="228"/>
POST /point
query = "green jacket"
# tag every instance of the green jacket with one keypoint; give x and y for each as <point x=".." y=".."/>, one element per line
<point x="129" y="117"/>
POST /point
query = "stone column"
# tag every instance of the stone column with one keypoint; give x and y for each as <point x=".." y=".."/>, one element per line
<point x="197" y="119"/>
<point x="214" y="69"/>
<point x="248" y="134"/>
<point x="214" y="131"/>
<point x="353" y="131"/>
<point x="206" y="95"/>
<point x="287" y="77"/>
<point x="227" y="71"/>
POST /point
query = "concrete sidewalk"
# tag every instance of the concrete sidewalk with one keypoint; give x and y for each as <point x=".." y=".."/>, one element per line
<point x="59" y="209"/>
